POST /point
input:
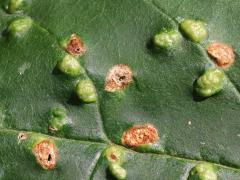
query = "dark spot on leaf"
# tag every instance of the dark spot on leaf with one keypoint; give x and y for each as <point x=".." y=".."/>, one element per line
<point x="49" y="157"/>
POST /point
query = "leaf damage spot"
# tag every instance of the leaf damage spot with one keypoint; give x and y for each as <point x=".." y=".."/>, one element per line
<point x="115" y="154"/>
<point x="46" y="154"/>
<point x="75" y="46"/>
<point x="222" y="54"/>
<point x="22" y="136"/>
<point x="140" y="135"/>
<point x="118" y="77"/>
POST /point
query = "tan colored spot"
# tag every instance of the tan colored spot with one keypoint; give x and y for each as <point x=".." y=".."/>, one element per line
<point x="52" y="129"/>
<point x="118" y="77"/>
<point x="22" y="136"/>
<point x="140" y="135"/>
<point x="46" y="154"/>
<point x="75" y="46"/>
<point x="222" y="54"/>
<point x="113" y="157"/>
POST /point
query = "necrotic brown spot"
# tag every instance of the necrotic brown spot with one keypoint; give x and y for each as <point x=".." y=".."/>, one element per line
<point x="22" y="136"/>
<point x="46" y="154"/>
<point x="118" y="77"/>
<point x="75" y="46"/>
<point x="113" y="157"/>
<point x="222" y="54"/>
<point x="140" y="135"/>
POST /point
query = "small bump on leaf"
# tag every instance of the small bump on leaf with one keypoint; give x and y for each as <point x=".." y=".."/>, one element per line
<point x="58" y="118"/>
<point x="20" y="26"/>
<point x="166" y="39"/>
<point x="195" y="30"/>
<point x="15" y="6"/>
<point x="140" y="135"/>
<point x="70" y="66"/>
<point x="203" y="171"/>
<point x="117" y="171"/>
<point x="86" y="91"/>
<point x="118" y="77"/>
<point x="222" y="54"/>
<point x="210" y="83"/>
<point x="46" y="154"/>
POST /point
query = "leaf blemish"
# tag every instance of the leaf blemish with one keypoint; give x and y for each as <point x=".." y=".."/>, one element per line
<point x="75" y="46"/>
<point x="118" y="77"/>
<point x="46" y="154"/>
<point x="140" y="135"/>
<point x="222" y="54"/>
<point x="22" y="136"/>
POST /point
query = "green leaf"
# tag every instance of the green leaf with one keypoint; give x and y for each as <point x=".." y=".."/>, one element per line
<point x="190" y="130"/>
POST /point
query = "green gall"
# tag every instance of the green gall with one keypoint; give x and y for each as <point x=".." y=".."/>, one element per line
<point x="86" y="91"/>
<point x="15" y="6"/>
<point x="115" y="154"/>
<point x="203" y="171"/>
<point x="117" y="171"/>
<point x="210" y="83"/>
<point x="166" y="39"/>
<point x="58" y="118"/>
<point x="20" y="26"/>
<point x="70" y="66"/>
<point x="195" y="30"/>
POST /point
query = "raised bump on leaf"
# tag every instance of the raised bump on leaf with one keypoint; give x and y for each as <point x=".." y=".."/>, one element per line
<point x="13" y="6"/>
<point x="117" y="171"/>
<point x="166" y="39"/>
<point x="86" y="91"/>
<point x="70" y="66"/>
<point x="19" y="26"/>
<point x="203" y="171"/>
<point x="195" y="30"/>
<point x="58" y="118"/>
<point x="210" y="83"/>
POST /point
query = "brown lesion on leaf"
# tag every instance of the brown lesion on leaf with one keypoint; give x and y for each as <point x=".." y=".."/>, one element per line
<point x="113" y="157"/>
<point x="75" y="46"/>
<point x="22" y="136"/>
<point x="46" y="154"/>
<point x="118" y="77"/>
<point x="140" y="135"/>
<point x="52" y="129"/>
<point x="222" y="54"/>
